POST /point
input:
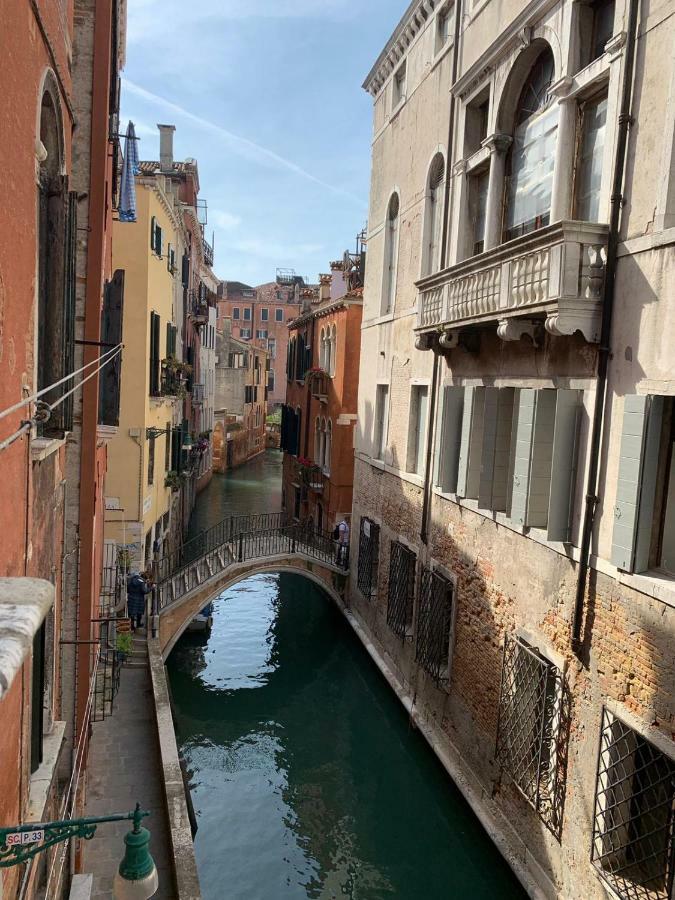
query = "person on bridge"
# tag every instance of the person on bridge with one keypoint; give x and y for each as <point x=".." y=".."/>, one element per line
<point x="138" y="586"/>
<point x="343" y="543"/>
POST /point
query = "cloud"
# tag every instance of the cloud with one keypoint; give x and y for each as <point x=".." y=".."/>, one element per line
<point x="145" y="13"/>
<point x="242" y="145"/>
<point x="225" y="220"/>
<point x="275" y="250"/>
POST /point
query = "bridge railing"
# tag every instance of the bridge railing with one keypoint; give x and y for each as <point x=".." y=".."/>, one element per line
<point x="245" y="546"/>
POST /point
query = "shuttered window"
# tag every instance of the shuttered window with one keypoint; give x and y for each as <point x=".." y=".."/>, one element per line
<point x="471" y="443"/>
<point x="167" y="447"/>
<point x="417" y="427"/>
<point x="369" y="554"/>
<point x="154" y="355"/>
<point x="151" y="460"/>
<point x="111" y="334"/>
<point x="381" y="419"/>
<point x="448" y="439"/>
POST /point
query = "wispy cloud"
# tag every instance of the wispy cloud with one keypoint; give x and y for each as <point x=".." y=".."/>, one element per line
<point x="237" y="142"/>
<point x="275" y="250"/>
<point x="147" y="12"/>
<point x="225" y="220"/>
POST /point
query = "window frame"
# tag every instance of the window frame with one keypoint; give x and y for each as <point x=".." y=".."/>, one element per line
<point x="392" y="232"/>
<point x="417" y="438"/>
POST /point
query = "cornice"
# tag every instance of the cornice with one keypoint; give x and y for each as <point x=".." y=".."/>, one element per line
<point x="413" y="21"/>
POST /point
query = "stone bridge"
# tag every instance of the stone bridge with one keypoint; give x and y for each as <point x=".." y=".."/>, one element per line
<point x="233" y="550"/>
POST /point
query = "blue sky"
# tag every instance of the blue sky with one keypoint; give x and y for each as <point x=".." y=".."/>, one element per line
<point x="266" y="95"/>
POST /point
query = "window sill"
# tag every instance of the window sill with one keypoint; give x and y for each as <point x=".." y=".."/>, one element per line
<point x="41" y="448"/>
<point x="397" y="109"/>
<point x="656" y="584"/>
<point x="442" y="53"/>
<point x="107" y="432"/>
<point x="41" y="780"/>
<point x="379" y="320"/>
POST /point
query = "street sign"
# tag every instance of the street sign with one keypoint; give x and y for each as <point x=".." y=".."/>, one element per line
<point x="24" y="837"/>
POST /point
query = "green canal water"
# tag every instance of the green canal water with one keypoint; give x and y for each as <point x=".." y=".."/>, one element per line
<point x="306" y="777"/>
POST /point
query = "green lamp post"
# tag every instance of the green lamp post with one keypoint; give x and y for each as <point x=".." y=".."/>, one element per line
<point x="136" y="878"/>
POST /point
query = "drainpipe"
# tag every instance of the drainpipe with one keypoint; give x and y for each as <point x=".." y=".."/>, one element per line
<point x="604" y="350"/>
<point x="426" y="503"/>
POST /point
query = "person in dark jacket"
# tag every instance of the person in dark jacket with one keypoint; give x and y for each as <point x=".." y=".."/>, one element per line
<point x="138" y="586"/>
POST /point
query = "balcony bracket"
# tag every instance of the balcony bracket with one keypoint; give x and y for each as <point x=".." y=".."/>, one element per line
<point x="423" y="341"/>
<point x="448" y="340"/>
<point x="514" y="329"/>
<point x="571" y="317"/>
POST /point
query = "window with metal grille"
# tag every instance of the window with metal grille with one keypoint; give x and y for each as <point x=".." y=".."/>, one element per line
<point x="532" y="728"/>
<point x="401" y="589"/>
<point x="434" y="624"/>
<point x="369" y="553"/>
<point x="633" y="841"/>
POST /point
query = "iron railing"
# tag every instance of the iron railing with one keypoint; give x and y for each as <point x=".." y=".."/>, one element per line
<point x="434" y="623"/>
<point x="633" y="840"/>
<point x="532" y="729"/>
<point x="107" y="677"/>
<point x="401" y="595"/>
<point x="227" y="544"/>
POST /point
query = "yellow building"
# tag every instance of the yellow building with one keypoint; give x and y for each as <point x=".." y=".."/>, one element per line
<point x="138" y="492"/>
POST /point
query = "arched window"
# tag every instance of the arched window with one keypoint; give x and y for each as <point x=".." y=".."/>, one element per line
<point x="333" y="351"/>
<point x="329" y="446"/>
<point x="322" y="445"/>
<point x="390" y="255"/>
<point x="433" y="216"/>
<point x="317" y="441"/>
<point x="322" y="350"/>
<point x="535" y="128"/>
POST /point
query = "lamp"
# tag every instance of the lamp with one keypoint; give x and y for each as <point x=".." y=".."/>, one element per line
<point x="136" y="878"/>
<point x="187" y="442"/>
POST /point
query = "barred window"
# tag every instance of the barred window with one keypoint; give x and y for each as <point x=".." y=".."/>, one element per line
<point x="401" y="589"/>
<point x="633" y="841"/>
<point x="532" y="728"/>
<point x="434" y="623"/>
<point x="369" y="553"/>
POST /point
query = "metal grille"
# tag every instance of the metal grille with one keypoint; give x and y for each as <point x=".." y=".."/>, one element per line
<point x="434" y="622"/>
<point x="369" y="552"/>
<point x="633" y="845"/>
<point x="533" y="727"/>
<point x="107" y="676"/>
<point x="401" y="588"/>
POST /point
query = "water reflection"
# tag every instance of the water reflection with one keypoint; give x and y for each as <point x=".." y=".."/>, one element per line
<point x="306" y="777"/>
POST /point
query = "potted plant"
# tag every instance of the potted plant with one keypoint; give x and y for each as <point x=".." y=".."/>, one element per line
<point x="123" y="646"/>
<point x="172" y="480"/>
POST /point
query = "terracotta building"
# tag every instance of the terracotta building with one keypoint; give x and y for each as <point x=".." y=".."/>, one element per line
<point x="513" y="534"/>
<point x="58" y="102"/>
<point x="240" y="400"/>
<point x="319" y="415"/>
<point x="261" y="314"/>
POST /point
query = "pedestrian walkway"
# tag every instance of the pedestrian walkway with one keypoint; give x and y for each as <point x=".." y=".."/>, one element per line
<point x="124" y="767"/>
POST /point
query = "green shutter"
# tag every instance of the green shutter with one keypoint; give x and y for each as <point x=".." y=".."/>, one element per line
<point x="522" y="454"/>
<point x="564" y="464"/>
<point x="448" y="439"/>
<point x="636" y="483"/>
<point x="497" y="419"/>
<point x="539" y="488"/>
<point x="468" y="469"/>
<point x="153" y="233"/>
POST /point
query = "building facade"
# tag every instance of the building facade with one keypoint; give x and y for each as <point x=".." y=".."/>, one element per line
<point x="261" y="314"/>
<point x="240" y="400"/>
<point x="58" y="96"/>
<point x="512" y="524"/>
<point x="318" y="418"/>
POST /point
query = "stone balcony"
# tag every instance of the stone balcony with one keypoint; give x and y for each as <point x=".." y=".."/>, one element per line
<point x="553" y="277"/>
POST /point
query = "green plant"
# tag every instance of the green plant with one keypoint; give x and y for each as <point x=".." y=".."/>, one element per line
<point x="172" y="480"/>
<point x="124" y="643"/>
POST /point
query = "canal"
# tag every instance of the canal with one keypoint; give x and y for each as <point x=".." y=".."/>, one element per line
<point x="306" y="777"/>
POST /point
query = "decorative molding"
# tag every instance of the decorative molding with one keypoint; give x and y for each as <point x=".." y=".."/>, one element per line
<point x="497" y="143"/>
<point x="561" y="88"/>
<point x="448" y="340"/>
<point x="614" y="46"/>
<point x="413" y="21"/>
<point x="514" y="329"/>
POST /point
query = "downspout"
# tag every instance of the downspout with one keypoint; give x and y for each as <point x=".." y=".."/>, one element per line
<point x="426" y="503"/>
<point x="604" y="350"/>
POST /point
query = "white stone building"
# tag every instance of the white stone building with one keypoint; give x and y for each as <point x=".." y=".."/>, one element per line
<point x="513" y="530"/>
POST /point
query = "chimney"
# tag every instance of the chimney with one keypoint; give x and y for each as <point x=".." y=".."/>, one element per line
<point x="166" y="147"/>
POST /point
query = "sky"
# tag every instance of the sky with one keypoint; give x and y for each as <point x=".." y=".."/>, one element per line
<point x="266" y="95"/>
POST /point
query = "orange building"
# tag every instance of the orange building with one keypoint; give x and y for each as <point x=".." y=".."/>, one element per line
<point x="319" y="416"/>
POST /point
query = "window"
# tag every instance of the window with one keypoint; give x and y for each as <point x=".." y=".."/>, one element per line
<point x="151" y="459"/>
<point x="38" y="686"/>
<point x="235" y="312"/>
<point x="155" y="361"/>
<point x="248" y="293"/>
<point x="633" y="839"/>
<point x="272" y="347"/>
<point x="270" y="380"/>
<point x="298" y="430"/>
<point x="390" y="256"/>
<point x="381" y="419"/>
<point x="596" y="27"/>
<point x="171" y="259"/>
<point x="644" y="526"/>
<point x="332" y="351"/>
<point x="476" y="123"/>
<point x="444" y="24"/>
<point x="532" y="728"/>
<point x="264" y="314"/>
<point x="322" y="350"/>
<point x="478" y="190"/>
<point x="369" y="552"/>
<point x="431" y="254"/>
<point x="328" y="447"/>
<point x="531" y="157"/>
<point x="156" y="237"/>
<point x="318" y="449"/>
<point x="592" y="122"/>
<point x="401" y="594"/>
<point x="57" y="245"/>
<point x="417" y="428"/>
<point x="279" y="315"/>
<point x="398" y="86"/>
<point x="245" y="333"/>
<point x="261" y="334"/>
<point x="247" y="313"/>
<point x="434" y="624"/>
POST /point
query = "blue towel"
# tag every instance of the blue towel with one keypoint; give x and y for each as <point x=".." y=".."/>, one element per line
<point x="129" y="171"/>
